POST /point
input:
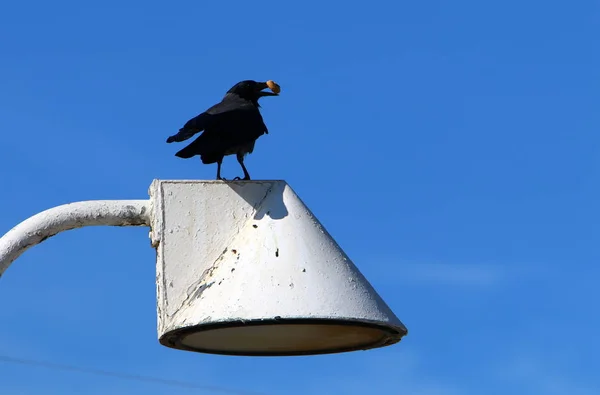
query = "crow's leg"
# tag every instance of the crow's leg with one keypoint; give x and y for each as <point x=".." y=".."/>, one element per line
<point x="219" y="170"/>
<point x="240" y="158"/>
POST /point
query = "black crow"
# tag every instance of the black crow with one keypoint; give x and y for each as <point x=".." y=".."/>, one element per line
<point x="230" y="127"/>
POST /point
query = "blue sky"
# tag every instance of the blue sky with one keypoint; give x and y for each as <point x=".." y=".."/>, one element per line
<point x="451" y="148"/>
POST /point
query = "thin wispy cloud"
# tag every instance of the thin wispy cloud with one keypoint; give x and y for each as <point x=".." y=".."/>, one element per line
<point x="443" y="274"/>
<point x="540" y="374"/>
<point x="454" y="274"/>
<point x="383" y="372"/>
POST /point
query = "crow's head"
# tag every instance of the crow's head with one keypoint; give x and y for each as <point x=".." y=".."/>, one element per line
<point x="252" y="90"/>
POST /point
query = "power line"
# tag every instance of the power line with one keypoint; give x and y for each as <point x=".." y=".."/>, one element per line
<point x="126" y="376"/>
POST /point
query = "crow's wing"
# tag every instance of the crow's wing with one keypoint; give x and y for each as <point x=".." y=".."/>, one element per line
<point x="230" y="103"/>
<point x="231" y="130"/>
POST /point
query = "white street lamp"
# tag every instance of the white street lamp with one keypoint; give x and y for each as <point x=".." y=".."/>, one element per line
<point x="243" y="268"/>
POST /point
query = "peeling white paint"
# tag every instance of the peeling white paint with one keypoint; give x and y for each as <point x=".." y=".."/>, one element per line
<point x="251" y="250"/>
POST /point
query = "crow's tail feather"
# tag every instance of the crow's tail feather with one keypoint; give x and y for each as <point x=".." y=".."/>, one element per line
<point x="182" y="135"/>
<point x="191" y="127"/>
<point x="207" y="158"/>
<point x="187" y="152"/>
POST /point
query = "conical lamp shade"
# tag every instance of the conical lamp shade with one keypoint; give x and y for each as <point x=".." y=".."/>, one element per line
<point x="244" y="268"/>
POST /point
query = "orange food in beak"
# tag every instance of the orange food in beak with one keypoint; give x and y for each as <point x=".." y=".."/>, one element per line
<point x="273" y="86"/>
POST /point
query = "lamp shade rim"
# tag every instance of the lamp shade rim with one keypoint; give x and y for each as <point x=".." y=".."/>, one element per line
<point x="388" y="334"/>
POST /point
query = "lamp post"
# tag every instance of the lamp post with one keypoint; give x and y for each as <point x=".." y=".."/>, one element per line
<point x="243" y="268"/>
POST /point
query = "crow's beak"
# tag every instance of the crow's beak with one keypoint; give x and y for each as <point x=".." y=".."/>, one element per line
<point x="272" y="85"/>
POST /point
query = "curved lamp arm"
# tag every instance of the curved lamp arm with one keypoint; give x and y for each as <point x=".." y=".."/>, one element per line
<point x="58" y="219"/>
